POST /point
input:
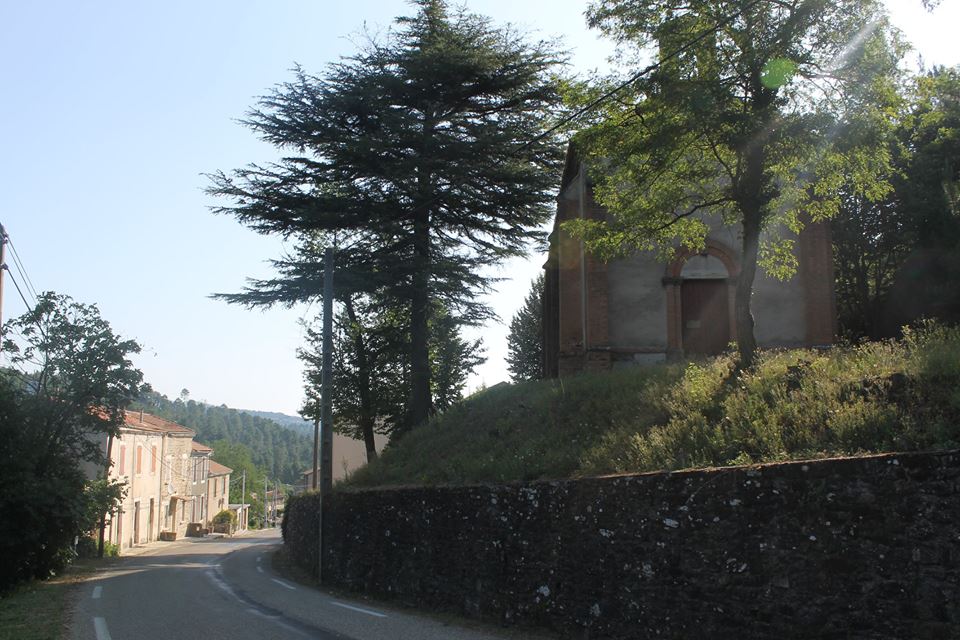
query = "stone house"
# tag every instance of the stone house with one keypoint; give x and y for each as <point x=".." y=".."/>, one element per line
<point x="218" y="489"/>
<point x="167" y="477"/>
<point x="637" y="309"/>
<point x="199" y="471"/>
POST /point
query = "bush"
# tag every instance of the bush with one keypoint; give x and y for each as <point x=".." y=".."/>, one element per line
<point x="225" y="517"/>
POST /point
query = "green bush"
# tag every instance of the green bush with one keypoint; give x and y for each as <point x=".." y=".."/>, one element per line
<point x="225" y="517"/>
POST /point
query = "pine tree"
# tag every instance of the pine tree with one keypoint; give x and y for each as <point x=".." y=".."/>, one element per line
<point x="422" y="156"/>
<point x="525" y="341"/>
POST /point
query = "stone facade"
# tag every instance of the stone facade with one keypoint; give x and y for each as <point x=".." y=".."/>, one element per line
<point x="844" y="548"/>
<point x="632" y="310"/>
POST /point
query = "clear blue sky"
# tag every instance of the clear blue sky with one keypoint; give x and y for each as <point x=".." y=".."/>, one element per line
<point x="111" y="112"/>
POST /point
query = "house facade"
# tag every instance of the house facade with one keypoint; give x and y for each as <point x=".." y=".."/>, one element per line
<point x="637" y="309"/>
<point x="166" y="475"/>
<point x="218" y="489"/>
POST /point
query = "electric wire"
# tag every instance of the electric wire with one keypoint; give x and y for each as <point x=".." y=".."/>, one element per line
<point x="28" y="283"/>
<point x="642" y="72"/>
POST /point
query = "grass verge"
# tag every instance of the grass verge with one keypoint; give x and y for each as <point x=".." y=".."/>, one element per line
<point x="796" y="404"/>
<point x="41" y="610"/>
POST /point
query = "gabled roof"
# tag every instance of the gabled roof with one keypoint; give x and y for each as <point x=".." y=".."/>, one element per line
<point x="200" y="448"/>
<point x="217" y="469"/>
<point x="146" y="422"/>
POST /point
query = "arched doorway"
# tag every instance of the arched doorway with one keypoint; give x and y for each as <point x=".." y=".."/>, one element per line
<point x="700" y="289"/>
<point x="704" y="305"/>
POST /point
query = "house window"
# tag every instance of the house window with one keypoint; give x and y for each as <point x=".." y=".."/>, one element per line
<point x="123" y="459"/>
<point x="153" y="459"/>
<point x="139" y="460"/>
<point x="216" y="485"/>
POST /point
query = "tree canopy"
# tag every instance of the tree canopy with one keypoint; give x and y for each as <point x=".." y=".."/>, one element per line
<point x="71" y="380"/>
<point x="758" y="113"/>
<point x="525" y="340"/>
<point x="421" y="157"/>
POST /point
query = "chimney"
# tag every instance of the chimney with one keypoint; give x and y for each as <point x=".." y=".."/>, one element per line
<point x="141" y="416"/>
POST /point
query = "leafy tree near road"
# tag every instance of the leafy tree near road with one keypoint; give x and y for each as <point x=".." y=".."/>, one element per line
<point x="525" y="340"/>
<point x="419" y="157"/>
<point x="70" y="384"/>
<point x="740" y="122"/>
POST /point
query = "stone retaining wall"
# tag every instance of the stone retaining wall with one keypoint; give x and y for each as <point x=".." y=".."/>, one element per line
<point x="845" y="548"/>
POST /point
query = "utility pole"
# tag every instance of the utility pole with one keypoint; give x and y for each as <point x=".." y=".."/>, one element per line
<point x="243" y="499"/>
<point x="316" y="452"/>
<point x="326" y="383"/>
<point x="264" y="502"/>
<point x="326" y="399"/>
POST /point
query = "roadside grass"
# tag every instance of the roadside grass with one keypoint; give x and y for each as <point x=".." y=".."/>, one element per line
<point x="521" y="432"/>
<point x="793" y="404"/>
<point x="41" y="609"/>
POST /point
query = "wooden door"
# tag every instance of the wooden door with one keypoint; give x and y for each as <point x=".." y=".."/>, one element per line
<point x="705" y="314"/>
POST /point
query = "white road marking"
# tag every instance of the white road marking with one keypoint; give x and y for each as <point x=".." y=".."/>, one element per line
<point x="369" y="612"/>
<point x="260" y="569"/>
<point x="259" y="559"/>
<point x="100" y="626"/>
<point x="284" y="584"/>
<point x="97" y="591"/>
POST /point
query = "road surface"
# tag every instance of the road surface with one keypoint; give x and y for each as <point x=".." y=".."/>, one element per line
<point x="227" y="590"/>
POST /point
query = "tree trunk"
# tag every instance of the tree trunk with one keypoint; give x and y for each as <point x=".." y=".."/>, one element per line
<point x="420" y="401"/>
<point x="367" y="412"/>
<point x="746" y="342"/>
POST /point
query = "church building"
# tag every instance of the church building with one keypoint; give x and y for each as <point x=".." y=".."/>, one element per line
<point x="636" y="310"/>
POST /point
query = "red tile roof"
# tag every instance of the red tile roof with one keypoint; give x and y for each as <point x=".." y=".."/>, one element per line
<point x="147" y="422"/>
<point x="200" y="448"/>
<point x="217" y="469"/>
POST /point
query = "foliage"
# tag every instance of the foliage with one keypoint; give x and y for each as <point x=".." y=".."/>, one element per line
<point x="883" y="247"/>
<point x="421" y="158"/>
<point x="239" y="458"/>
<point x="54" y="418"/>
<point x="82" y="378"/>
<point x="225" y="517"/>
<point x="525" y="341"/>
<point x="741" y="122"/>
<point x="280" y="452"/>
<point x="371" y="380"/>
<point x="794" y="404"/>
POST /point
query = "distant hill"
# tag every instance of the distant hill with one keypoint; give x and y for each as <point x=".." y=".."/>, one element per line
<point x="282" y="448"/>
<point x="294" y="423"/>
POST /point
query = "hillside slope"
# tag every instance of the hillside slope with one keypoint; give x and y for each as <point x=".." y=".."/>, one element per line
<point x="797" y="404"/>
<point x="282" y="452"/>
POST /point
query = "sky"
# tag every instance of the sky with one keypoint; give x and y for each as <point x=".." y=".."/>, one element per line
<point x="113" y="112"/>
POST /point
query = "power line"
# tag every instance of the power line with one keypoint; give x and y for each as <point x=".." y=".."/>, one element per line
<point x="14" y="281"/>
<point x="649" y="68"/>
<point x="28" y="283"/>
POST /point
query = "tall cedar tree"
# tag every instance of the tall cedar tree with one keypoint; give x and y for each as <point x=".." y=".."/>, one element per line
<point x="420" y="155"/>
<point x="525" y="340"/>
<point x="741" y="124"/>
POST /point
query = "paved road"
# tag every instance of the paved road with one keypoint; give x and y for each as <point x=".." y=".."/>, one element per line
<point x="226" y="589"/>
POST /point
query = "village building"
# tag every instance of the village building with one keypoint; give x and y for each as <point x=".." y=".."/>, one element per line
<point x="598" y="315"/>
<point x="199" y="471"/>
<point x="172" y="485"/>
<point x="218" y="489"/>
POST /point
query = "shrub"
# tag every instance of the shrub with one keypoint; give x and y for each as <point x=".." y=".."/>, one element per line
<point x="225" y="517"/>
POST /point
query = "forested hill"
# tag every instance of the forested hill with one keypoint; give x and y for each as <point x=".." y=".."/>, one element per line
<point x="296" y="423"/>
<point x="283" y="452"/>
